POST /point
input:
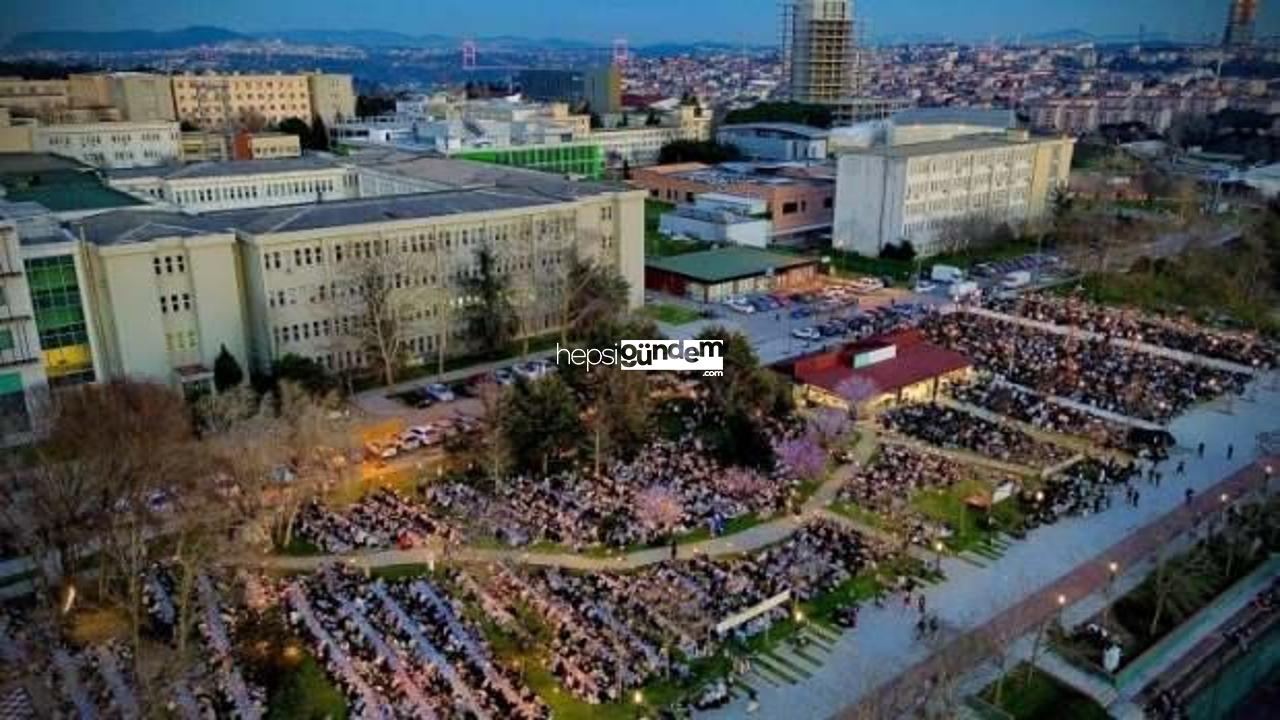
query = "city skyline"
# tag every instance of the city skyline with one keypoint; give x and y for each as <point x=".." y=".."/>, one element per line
<point x="737" y="21"/>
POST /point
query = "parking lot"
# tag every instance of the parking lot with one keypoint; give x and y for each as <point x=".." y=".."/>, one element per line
<point x="796" y="324"/>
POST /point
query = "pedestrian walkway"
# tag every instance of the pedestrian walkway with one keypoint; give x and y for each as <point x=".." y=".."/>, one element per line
<point x="749" y="540"/>
<point x="961" y="456"/>
<point x="1160" y="350"/>
<point x="1080" y="445"/>
<point x="1097" y="412"/>
<point x="1153" y="663"/>
<point x="880" y="664"/>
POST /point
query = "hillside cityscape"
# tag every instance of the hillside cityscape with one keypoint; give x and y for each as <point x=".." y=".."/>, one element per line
<point x="856" y="361"/>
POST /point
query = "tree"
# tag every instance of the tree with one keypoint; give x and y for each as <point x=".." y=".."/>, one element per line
<point x="379" y="300"/>
<point x="226" y="371"/>
<point x="594" y="296"/>
<point x="703" y="151"/>
<point x="903" y="251"/>
<point x="188" y="126"/>
<point x="490" y="315"/>
<point x="372" y="105"/>
<point x="303" y="372"/>
<point x="541" y="423"/>
<point x="319" y="138"/>
<point x="659" y="508"/>
<point x="653" y="119"/>
<point x="296" y="126"/>
<point x="803" y="458"/>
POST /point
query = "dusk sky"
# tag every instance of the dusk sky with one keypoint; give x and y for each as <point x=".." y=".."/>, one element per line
<point x="640" y="21"/>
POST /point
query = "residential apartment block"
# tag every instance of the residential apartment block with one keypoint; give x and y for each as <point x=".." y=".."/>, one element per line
<point x="143" y="97"/>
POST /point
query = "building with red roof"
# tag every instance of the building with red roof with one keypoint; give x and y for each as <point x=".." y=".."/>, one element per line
<point x="887" y="369"/>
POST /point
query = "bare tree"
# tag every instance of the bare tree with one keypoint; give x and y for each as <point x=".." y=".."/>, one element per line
<point x="381" y="297"/>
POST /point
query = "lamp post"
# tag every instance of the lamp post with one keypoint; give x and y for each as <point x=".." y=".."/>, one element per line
<point x="937" y="554"/>
<point x="1113" y="569"/>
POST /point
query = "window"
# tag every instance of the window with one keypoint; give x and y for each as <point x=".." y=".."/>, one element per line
<point x="789" y="208"/>
<point x="6" y="339"/>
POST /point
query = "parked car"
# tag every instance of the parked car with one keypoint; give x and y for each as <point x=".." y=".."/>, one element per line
<point x="867" y="285"/>
<point x="924" y="286"/>
<point x="743" y="306"/>
<point x="831" y="329"/>
<point x="946" y="274"/>
<point x="440" y="392"/>
<point x="503" y="376"/>
<point x="806" y="333"/>
<point x="380" y="451"/>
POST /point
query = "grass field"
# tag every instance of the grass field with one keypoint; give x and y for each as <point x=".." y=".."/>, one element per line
<point x="655" y="243"/>
<point x="671" y="314"/>
<point x="307" y="694"/>
<point x="1041" y="698"/>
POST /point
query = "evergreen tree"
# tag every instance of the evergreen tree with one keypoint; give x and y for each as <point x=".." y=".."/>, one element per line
<point x="226" y="371"/>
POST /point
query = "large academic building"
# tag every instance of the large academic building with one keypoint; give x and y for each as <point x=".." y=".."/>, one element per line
<point x="120" y="282"/>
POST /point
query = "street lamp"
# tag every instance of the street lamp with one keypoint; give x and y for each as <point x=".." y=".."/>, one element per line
<point x="638" y="698"/>
<point x="937" y="551"/>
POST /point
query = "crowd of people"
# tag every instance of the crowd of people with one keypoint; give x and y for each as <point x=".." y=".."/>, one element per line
<point x="668" y="489"/>
<point x="402" y="649"/>
<point x="990" y="393"/>
<point x="1085" y="488"/>
<point x="887" y="484"/>
<point x="1091" y="371"/>
<point x="1129" y="324"/>
<point x="614" y="632"/>
<point x="94" y="681"/>
<point x="382" y="518"/>
<point x="953" y="429"/>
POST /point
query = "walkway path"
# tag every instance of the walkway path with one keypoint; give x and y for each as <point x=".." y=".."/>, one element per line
<point x="865" y="664"/>
<point x="1134" y="678"/>
<point x="962" y="456"/>
<point x="753" y="538"/>
<point x="903" y="692"/>
<point x="1090" y="409"/>
<point x="1072" y="442"/>
<point x="1170" y="353"/>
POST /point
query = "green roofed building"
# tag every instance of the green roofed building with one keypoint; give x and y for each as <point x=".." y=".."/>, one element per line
<point x="577" y="160"/>
<point x="61" y="185"/>
<point x="713" y="275"/>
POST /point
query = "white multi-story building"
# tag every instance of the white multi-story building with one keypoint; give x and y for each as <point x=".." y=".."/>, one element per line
<point x="887" y="193"/>
<point x="298" y="264"/>
<point x="21" y="370"/>
<point x="783" y="142"/>
<point x="207" y="187"/>
<point x="112" y="144"/>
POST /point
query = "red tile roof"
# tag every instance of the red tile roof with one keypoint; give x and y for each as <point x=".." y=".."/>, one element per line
<point x="916" y="360"/>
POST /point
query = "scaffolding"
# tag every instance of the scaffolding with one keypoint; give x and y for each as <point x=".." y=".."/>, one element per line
<point x="821" y="56"/>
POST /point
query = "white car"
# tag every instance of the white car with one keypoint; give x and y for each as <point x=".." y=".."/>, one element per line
<point x="807" y="333"/>
<point x="440" y="392"/>
<point x="924" y="286"/>
<point x="866" y="285"/>
<point x="503" y="376"/>
<point x="743" y="307"/>
<point x="409" y="441"/>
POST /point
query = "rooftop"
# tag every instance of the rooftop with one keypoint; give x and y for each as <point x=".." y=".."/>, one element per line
<point x="229" y="169"/>
<point x="456" y="173"/>
<point x="130" y="226"/>
<point x="723" y="264"/>
<point x="914" y="361"/>
<point x="968" y="143"/>
<point x="806" y="131"/>
<point x="57" y="183"/>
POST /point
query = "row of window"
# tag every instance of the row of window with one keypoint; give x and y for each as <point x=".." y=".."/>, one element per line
<point x="421" y="242"/>
<point x="181" y="341"/>
<point x="169" y="264"/>
<point x="223" y="193"/>
<point x="175" y="303"/>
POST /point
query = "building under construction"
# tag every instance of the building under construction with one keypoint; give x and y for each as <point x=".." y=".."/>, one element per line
<point x="823" y="59"/>
<point x="1240" y="23"/>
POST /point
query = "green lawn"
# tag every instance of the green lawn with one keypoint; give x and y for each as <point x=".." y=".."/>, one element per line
<point x="902" y="270"/>
<point x="655" y="243"/>
<point x="671" y="314"/>
<point x="299" y="547"/>
<point x="967" y="523"/>
<point x="1041" y="698"/>
<point x="307" y="694"/>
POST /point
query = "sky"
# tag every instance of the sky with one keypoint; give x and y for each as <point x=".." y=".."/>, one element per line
<point x="640" y="21"/>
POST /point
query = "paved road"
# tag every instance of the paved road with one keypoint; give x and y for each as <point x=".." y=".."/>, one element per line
<point x="970" y="650"/>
